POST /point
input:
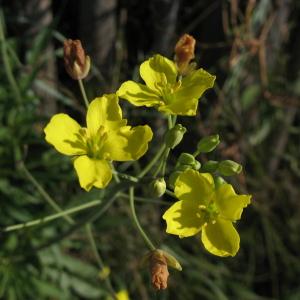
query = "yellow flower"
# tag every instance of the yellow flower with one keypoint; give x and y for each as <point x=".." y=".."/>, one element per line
<point x="105" y="138"/>
<point x="163" y="90"/>
<point x="203" y="207"/>
<point x="122" y="295"/>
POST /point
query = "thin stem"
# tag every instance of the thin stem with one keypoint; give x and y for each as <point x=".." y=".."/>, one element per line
<point x="89" y="232"/>
<point x="126" y="176"/>
<point x="170" y="121"/>
<point x="7" y="67"/>
<point x="44" y="194"/>
<point x="164" y="165"/>
<point x="83" y="93"/>
<point x="51" y="217"/>
<point x="170" y="193"/>
<point x="115" y="173"/>
<point x="153" y="161"/>
<point x="136" y="221"/>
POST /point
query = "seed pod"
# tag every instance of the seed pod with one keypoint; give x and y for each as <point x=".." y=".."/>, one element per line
<point x="77" y="64"/>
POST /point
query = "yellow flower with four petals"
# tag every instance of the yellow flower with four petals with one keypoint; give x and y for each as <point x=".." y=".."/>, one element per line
<point x="203" y="207"/>
<point x="164" y="89"/>
<point x="105" y="138"/>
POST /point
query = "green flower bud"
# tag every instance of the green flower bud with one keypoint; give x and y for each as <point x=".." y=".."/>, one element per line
<point x="174" y="136"/>
<point x="229" y="168"/>
<point x="173" y="177"/>
<point x="186" y="159"/>
<point x="157" y="187"/>
<point x="197" y="165"/>
<point x="210" y="166"/>
<point x="182" y="168"/>
<point x="219" y="181"/>
<point x="208" y="144"/>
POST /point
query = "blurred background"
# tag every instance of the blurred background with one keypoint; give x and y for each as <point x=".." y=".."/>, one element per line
<point x="253" y="49"/>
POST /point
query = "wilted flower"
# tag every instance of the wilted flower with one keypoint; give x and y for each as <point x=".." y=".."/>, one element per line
<point x="206" y="208"/>
<point x="105" y="138"/>
<point x="184" y="53"/>
<point x="77" y="64"/>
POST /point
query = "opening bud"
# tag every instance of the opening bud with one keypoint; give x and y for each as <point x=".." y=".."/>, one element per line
<point x="184" y="53"/>
<point x="208" y="144"/>
<point x="77" y="64"/>
<point x="210" y="166"/>
<point x="174" y="136"/>
<point x="157" y="187"/>
<point x="229" y="168"/>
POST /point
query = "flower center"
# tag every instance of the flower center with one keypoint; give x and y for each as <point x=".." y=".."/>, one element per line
<point x="93" y="144"/>
<point x="209" y="212"/>
<point x="167" y="90"/>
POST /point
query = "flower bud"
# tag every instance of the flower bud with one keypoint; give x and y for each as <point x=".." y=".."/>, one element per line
<point x="77" y="64"/>
<point x="197" y="165"/>
<point x="219" y="181"/>
<point x="210" y="166"/>
<point x="208" y="144"/>
<point x="157" y="187"/>
<point x="229" y="168"/>
<point x="173" y="177"/>
<point x="186" y="159"/>
<point x="174" y="136"/>
<point x="182" y="168"/>
<point x="184" y="53"/>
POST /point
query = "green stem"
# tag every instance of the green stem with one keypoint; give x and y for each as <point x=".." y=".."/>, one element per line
<point x="153" y="161"/>
<point x="170" y="121"/>
<point x="51" y="217"/>
<point x="126" y="176"/>
<point x="170" y="193"/>
<point x="7" y="67"/>
<point x="88" y="228"/>
<point x="83" y="93"/>
<point x="44" y="194"/>
<point x="136" y="221"/>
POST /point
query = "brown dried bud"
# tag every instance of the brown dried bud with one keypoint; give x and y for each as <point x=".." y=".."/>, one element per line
<point x="184" y="52"/>
<point x="159" y="270"/>
<point x="77" y="64"/>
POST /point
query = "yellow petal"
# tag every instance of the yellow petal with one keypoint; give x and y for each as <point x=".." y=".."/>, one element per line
<point x="194" y="85"/>
<point x="104" y="111"/>
<point x="184" y="107"/>
<point x="61" y="132"/>
<point x="92" y="172"/>
<point x="183" y="218"/>
<point x="128" y="143"/>
<point x="194" y="186"/>
<point x="158" y="71"/>
<point x="138" y="94"/>
<point x="229" y="203"/>
<point x="221" y="238"/>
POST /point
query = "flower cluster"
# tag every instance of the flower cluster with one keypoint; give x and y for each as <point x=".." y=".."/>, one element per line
<point x="206" y="204"/>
